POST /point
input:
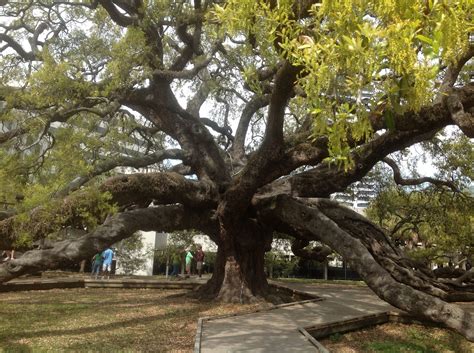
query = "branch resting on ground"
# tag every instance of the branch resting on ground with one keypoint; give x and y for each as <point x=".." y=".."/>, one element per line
<point x="115" y="228"/>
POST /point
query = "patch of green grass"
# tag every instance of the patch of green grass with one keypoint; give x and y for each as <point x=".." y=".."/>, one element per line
<point x="336" y="337"/>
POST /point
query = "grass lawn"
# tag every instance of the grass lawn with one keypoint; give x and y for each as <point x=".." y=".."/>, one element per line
<point x="399" y="338"/>
<point x="103" y="320"/>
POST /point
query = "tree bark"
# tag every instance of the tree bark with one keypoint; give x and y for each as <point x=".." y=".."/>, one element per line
<point x="239" y="275"/>
<point x="244" y="277"/>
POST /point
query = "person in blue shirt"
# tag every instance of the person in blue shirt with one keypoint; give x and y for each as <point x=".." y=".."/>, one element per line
<point x="107" y="255"/>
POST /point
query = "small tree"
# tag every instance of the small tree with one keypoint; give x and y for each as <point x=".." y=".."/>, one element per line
<point x="432" y="226"/>
<point x="132" y="254"/>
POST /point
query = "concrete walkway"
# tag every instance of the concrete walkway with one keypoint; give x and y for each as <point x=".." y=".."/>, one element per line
<point x="277" y="330"/>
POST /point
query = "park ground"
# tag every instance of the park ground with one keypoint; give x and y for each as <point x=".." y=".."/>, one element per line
<point x="103" y="320"/>
<point x="153" y="320"/>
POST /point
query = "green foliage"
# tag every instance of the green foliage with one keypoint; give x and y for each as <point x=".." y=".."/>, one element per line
<point x="453" y="155"/>
<point x="130" y="253"/>
<point x="129" y="62"/>
<point x="355" y="55"/>
<point x="82" y="210"/>
<point x="182" y="239"/>
<point x="278" y="265"/>
<point x="441" y="221"/>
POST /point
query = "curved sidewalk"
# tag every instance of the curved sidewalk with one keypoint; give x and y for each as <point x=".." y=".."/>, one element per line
<point x="277" y="330"/>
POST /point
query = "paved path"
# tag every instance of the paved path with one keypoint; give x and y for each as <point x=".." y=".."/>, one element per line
<point x="277" y="330"/>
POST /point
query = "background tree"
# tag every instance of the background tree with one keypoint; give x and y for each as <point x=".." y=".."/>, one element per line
<point x="132" y="254"/>
<point x="317" y="93"/>
<point x="436" y="227"/>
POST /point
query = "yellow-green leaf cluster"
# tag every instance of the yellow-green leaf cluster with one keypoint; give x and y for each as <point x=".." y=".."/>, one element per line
<point x="130" y="60"/>
<point x="357" y="52"/>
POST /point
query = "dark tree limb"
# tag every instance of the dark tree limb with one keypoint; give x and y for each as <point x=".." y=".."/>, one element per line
<point x="252" y="106"/>
<point x="223" y="130"/>
<point x="119" y="18"/>
<point x="121" y="161"/>
<point x="317" y="253"/>
<point x="116" y="228"/>
<point x="397" y="176"/>
<point x="163" y="188"/>
<point x="25" y="55"/>
<point x="452" y="73"/>
<point x="159" y="105"/>
<point x="285" y="80"/>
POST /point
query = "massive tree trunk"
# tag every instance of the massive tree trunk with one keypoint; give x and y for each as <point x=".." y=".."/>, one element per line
<point x="244" y="277"/>
<point x="239" y="275"/>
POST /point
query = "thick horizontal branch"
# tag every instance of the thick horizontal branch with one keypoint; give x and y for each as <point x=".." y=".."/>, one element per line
<point x="116" y="228"/>
<point x="127" y="190"/>
<point x="412" y="128"/>
<point x="121" y="161"/>
<point x="438" y="114"/>
<point x="327" y="178"/>
<point x="163" y="188"/>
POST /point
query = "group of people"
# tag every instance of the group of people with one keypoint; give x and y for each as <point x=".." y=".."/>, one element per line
<point x="188" y="259"/>
<point x="102" y="261"/>
<point x="8" y="255"/>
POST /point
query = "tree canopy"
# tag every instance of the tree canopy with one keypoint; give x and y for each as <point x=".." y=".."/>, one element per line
<point x="237" y="118"/>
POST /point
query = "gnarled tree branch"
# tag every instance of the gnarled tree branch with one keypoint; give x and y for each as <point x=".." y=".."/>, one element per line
<point x="115" y="228"/>
<point x="397" y="176"/>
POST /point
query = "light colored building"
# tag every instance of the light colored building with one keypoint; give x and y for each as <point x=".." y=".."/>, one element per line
<point x="154" y="242"/>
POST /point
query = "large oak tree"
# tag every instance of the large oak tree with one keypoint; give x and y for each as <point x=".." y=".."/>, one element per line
<point x="265" y="108"/>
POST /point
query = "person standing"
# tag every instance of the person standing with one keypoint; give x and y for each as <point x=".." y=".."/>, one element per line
<point x="107" y="255"/>
<point x="199" y="260"/>
<point x="175" y="261"/>
<point x="96" y="265"/>
<point x="189" y="259"/>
